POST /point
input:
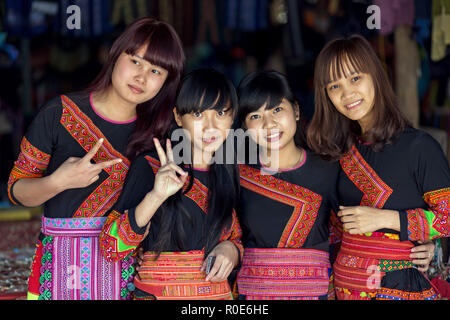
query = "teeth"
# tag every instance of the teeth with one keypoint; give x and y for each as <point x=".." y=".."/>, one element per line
<point x="353" y="104"/>
<point x="273" y="135"/>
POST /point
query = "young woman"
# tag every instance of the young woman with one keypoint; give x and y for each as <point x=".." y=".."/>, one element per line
<point x="183" y="213"/>
<point x="394" y="184"/>
<point x="285" y="204"/>
<point x="76" y="154"/>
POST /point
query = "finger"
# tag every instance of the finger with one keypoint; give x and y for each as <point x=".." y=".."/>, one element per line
<point x="346" y="212"/>
<point x="94" y="179"/>
<point x="169" y="150"/>
<point x="180" y="171"/>
<point x="348" y="219"/>
<point x="91" y="153"/>
<point x="214" y="269"/>
<point x="106" y="164"/>
<point x="222" y="273"/>
<point x="160" y="151"/>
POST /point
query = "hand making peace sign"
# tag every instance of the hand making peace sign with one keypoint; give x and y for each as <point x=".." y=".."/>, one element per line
<point x="80" y="172"/>
<point x="167" y="182"/>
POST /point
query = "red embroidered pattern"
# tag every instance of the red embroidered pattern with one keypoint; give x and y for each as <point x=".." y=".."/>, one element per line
<point x="83" y="130"/>
<point x="439" y="202"/>
<point x="305" y="202"/>
<point x="110" y="240"/>
<point x="234" y="234"/>
<point x="376" y="191"/>
<point x="394" y="294"/>
<point x="439" y="205"/>
<point x="31" y="163"/>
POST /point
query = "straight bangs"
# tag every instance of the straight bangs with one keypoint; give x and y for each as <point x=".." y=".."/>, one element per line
<point x="267" y="88"/>
<point x="341" y="61"/>
<point x="163" y="48"/>
<point x="206" y="89"/>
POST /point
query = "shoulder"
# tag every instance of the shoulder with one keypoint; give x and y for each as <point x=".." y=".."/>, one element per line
<point x="321" y="165"/>
<point x="415" y="140"/>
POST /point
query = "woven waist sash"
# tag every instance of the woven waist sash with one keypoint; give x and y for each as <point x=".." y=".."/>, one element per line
<point x="282" y="272"/>
<point x="73" y="267"/>
<point x="177" y="275"/>
<point x="364" y="259"/>
<point x="75" y="227"/>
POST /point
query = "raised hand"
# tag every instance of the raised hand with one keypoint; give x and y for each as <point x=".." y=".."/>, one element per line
<point x="167" y="182"/>
<point x="80" y="172"/>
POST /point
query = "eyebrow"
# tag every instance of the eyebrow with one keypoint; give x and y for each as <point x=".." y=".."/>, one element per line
<point x="349" y="75"/>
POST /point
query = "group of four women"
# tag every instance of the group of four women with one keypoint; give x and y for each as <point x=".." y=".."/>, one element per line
<point x="104" y="165"/>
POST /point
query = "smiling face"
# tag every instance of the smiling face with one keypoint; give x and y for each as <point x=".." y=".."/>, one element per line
<point x="135" y="80"/>
<point x="274" y="129"/>
<point x="353" y="95"/>
<point x="208" y="129"/>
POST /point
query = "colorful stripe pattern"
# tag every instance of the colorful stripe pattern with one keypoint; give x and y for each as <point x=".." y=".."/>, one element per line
<point x="282" y="273"/>
<point x="434" y="222"/>
<point x="118" y="240"/>
<point x="376" y="191"/>
<point x="31" y="163"/>
<point x="305" y="202"/>
<point x="176" y="275"/>
<point x="83" y="130"/>
<point x="72" y="267"/>
<point x="363" y="260"/>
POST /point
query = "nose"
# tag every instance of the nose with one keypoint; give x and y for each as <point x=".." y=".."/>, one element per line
<point x="141" y="77"/>
<point x="269" y="121"/>
<point x="347" y="92"/>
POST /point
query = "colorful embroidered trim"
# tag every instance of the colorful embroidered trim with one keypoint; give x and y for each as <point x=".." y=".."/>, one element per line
<point x="73" y="267"/>
<point x="394" y="294"/>
<point x="363" y="260"/>
<point x="176" y="275"/>
<point x="305" y="202"/>
<point x="376" y="191"/>
<point x="118" y="240"/>
<point x="284" y="273"/>
<point x="433" y="223"/>
<point x="83" y="130"/>
<point x="31" y="163"/>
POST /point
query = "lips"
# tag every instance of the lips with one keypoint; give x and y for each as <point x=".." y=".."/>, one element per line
<point x="354" y="104"/>
<point x="274" y="136"/>
<point x="135" y="89"/>
<point x="209" y="140"/>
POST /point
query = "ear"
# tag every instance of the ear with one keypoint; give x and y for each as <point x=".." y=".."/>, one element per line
<point x="177" y="117"/>
<point x="297" y="111"/>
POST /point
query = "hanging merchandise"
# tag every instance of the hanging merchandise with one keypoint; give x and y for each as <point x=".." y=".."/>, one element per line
<point x="440" y="36"/>
<point x="126" y="11"/>
<point x="247" y="15"/>
<point x="208" y="23"/>
<point x="422" y="20"/>
<point x="395" y="13"/>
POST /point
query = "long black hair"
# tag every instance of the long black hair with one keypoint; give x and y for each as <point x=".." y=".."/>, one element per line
<point x="200" y="90"/>
<point x="271" y="87"/>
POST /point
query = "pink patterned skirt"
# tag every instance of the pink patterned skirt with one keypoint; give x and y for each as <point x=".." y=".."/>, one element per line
<point x="68" y="264"/>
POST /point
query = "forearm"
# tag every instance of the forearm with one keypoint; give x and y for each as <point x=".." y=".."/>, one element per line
<point x="33" y="192"/>
<point x="147" y="208"/>
<point x="390" y="219"/>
